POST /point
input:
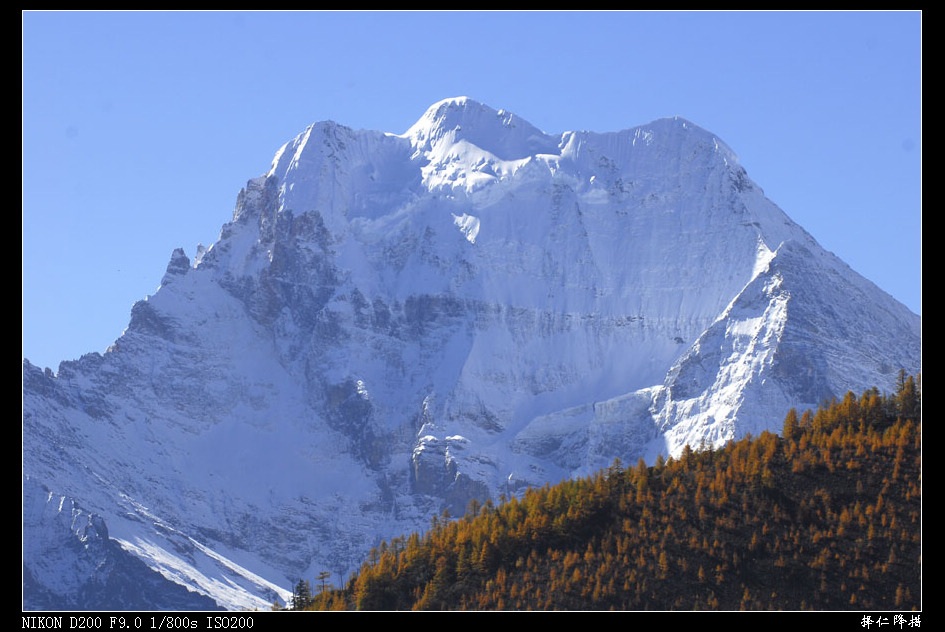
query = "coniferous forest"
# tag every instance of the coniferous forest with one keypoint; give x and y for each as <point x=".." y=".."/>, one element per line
<point x="825" y="516"/>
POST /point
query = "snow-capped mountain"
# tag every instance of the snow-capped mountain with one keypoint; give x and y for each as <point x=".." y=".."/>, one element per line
<point x="394" y="324"/>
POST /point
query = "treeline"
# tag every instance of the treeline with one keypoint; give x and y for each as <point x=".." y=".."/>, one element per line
<point x="824" y="517"/>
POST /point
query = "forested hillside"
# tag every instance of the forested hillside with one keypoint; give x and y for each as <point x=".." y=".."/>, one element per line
<point x="825" y="517"/>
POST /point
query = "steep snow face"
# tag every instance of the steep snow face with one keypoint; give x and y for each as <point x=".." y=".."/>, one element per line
<point x="393" y="324"/>
<point x="70" y="563"/>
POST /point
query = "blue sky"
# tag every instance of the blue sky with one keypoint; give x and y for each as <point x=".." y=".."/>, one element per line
<point x="140" y="128"/>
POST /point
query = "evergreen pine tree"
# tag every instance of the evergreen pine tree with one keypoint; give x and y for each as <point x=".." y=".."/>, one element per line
<point x="302" y="595"/>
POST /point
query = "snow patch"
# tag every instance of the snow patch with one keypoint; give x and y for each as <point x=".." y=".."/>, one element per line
<point x="468" y="225"/>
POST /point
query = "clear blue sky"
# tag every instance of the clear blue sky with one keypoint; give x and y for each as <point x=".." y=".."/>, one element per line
<point x="140" y="128"/>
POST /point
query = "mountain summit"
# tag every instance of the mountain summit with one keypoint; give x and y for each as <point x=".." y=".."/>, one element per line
<point x="462" y="120"/>
<point x="392" y="325"/>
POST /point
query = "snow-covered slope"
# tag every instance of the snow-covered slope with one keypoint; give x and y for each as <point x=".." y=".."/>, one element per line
<point x="395" y="324"/>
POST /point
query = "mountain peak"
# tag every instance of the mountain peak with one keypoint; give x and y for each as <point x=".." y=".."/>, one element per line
<point x="447" y="113"/>
<point x="462" y="119"/>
